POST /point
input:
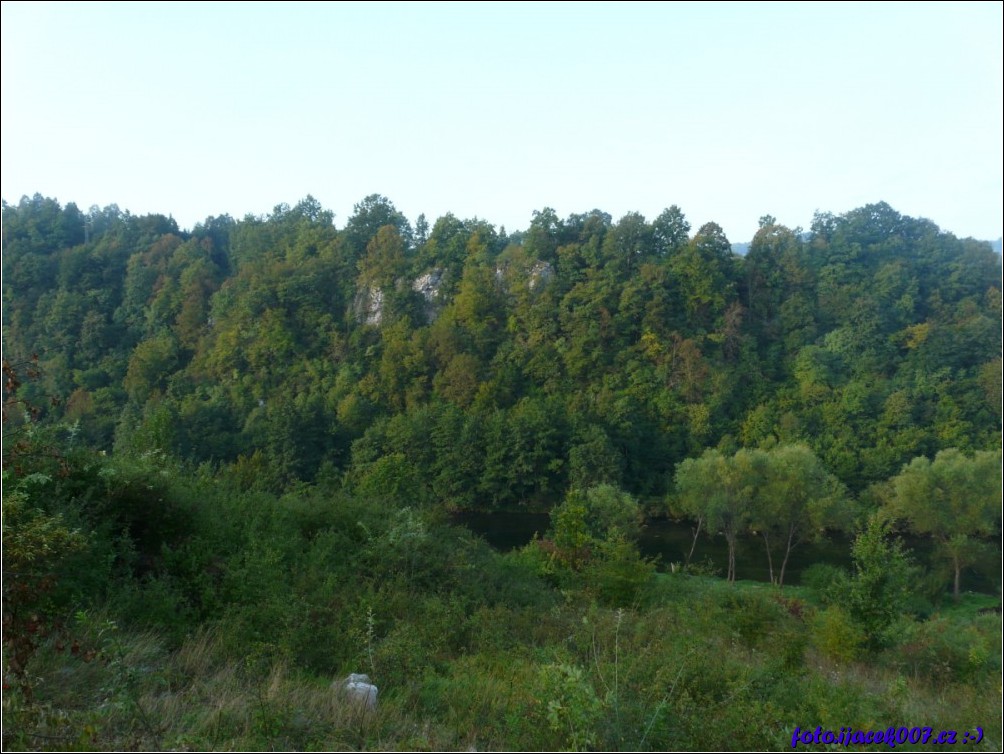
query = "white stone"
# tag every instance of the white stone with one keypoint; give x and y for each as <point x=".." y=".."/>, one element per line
<point x="428" y="284"/>
<point x="357" y="689"/>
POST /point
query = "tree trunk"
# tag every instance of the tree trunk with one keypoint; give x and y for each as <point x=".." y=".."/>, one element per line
<point x="700" y="520"/>
<point x="770" y="559"/>
<point x="787" y="552"/>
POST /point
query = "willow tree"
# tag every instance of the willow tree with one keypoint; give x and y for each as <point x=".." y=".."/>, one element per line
<point x="718" y="490"/>
<point x="955" y="499"/>
<point x="797" y="500"/>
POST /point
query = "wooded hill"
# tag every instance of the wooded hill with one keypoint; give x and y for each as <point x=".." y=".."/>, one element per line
<point x="291" y="407"/>
<point x="474" y="368"/>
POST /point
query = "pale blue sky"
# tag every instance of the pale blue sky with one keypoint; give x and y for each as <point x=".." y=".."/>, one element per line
<point x="493" y="110"/>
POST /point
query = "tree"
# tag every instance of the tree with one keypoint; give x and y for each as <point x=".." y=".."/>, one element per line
<point x="384" y="260"/>
<point x="796" y="501"/>
<point x="718" y="490"/>
<point x="593" y="459"/>
<point x="704" y="268"/>
<point x="371" y="214"/>
<point x="955" y="499"/>
<point x="670" y="231"/>
<point x="588" y="518"/>
<point x="478" y="309"/>
<point x="628" y="243"/>
<point x="774" y="272"/>
<point x="152" y="362"/>
<point x="882" y="583"/>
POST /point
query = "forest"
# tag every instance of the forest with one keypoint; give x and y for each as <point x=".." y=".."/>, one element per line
<point x="231" y="455"/>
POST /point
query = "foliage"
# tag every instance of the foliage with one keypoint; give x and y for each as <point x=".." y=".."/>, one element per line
<point x="268" y="511"/>
<point x="583" y="351"/>
<point x="572" y="706"/>
<point x="782" y="493"/>
<point x="799" y="500"/>
<point x="718" y="490"/>
<point x="882" y="583"/>
<point x="836" y="635"/>
<point x="955" y="499"/>
<point x="37" y="550"/>
<point x="947" y="649"/>
<point x="618" y="574"/>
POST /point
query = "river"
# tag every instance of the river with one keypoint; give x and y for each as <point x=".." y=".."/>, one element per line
<point x="669" y="541"/>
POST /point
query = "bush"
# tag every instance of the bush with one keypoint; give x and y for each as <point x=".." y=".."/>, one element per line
<point x="619" y="574"/>
<point x="836" y="635"/>
<point x="948" y="650"/>
<point x="821" y="578"/>
<point x="37" y="550"/>
<point x="573" y="708"/>
<point x="883" y="582"/>
<point x="588" y="518"/>
<point x="753" y="615"/>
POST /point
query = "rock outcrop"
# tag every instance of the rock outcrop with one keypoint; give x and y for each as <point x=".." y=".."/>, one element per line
<point x="368" y="306"/>
<point x="428" y="286"/>
<point x="356" y="689"/>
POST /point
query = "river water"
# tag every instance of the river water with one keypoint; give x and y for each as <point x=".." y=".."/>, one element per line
<point x="669" y="541"/>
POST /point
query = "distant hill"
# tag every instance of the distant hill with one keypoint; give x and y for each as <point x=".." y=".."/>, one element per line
<point x="483" y="370"/>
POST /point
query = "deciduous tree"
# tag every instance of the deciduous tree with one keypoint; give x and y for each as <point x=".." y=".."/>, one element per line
<point x="955" y="499"/>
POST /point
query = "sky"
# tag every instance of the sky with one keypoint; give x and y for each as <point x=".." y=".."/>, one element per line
<point x="729" y="110"/>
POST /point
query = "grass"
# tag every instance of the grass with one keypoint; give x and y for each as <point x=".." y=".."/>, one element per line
<point x="970" y="605"/>
<point x="705" y="665"/>
<point x="475" y="651"/>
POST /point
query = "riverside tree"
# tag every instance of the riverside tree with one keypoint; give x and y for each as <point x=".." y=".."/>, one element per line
<point x="955" y="499"/>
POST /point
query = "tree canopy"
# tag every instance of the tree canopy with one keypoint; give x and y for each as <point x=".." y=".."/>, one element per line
<point x="955" y="498"/>
<point x="580" y="351"/>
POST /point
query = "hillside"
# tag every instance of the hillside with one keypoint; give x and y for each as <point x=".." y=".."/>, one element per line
<point x="581" y="350"/>
<point x="230" y="455"/>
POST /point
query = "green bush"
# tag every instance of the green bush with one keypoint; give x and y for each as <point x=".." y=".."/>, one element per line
<point x="821" y="578"/>
<point x="948" y="650"/>
<point x="836" y="635"/>
<point x="573" y="709"/>
<point x="618" y="574"/>
<point x="882" y="585"/>
<point x="607" y="509"/>
<point x="754" y="616"/>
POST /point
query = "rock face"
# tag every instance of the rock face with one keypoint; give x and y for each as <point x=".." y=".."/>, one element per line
<point x="428" y="287"/>
<point x="368" y="306"/>
<point x="357" y="690"/>
<point x="428" y="284"/>
<point x="540" y="274"/>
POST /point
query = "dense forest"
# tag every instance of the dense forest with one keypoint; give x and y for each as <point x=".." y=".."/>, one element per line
<point x="230" y="453"/>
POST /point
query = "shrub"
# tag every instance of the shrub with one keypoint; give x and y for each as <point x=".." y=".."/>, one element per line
<point x="836" y="635"/>
<point x="821" y="578"/>
<point x="573" y="708"/>
<point x="883" y="582"/>
<point x="619" y="574"/>
<point x="948" y="650"/>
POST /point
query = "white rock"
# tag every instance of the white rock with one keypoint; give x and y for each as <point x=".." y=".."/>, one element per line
<point x="357" y="689"/>
<point x="428" y="284"/>
<point x="540" y="274"/>
<point x="368" y="306"/>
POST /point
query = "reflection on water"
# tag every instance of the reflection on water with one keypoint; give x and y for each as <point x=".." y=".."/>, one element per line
<point x="669" y="541"/>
